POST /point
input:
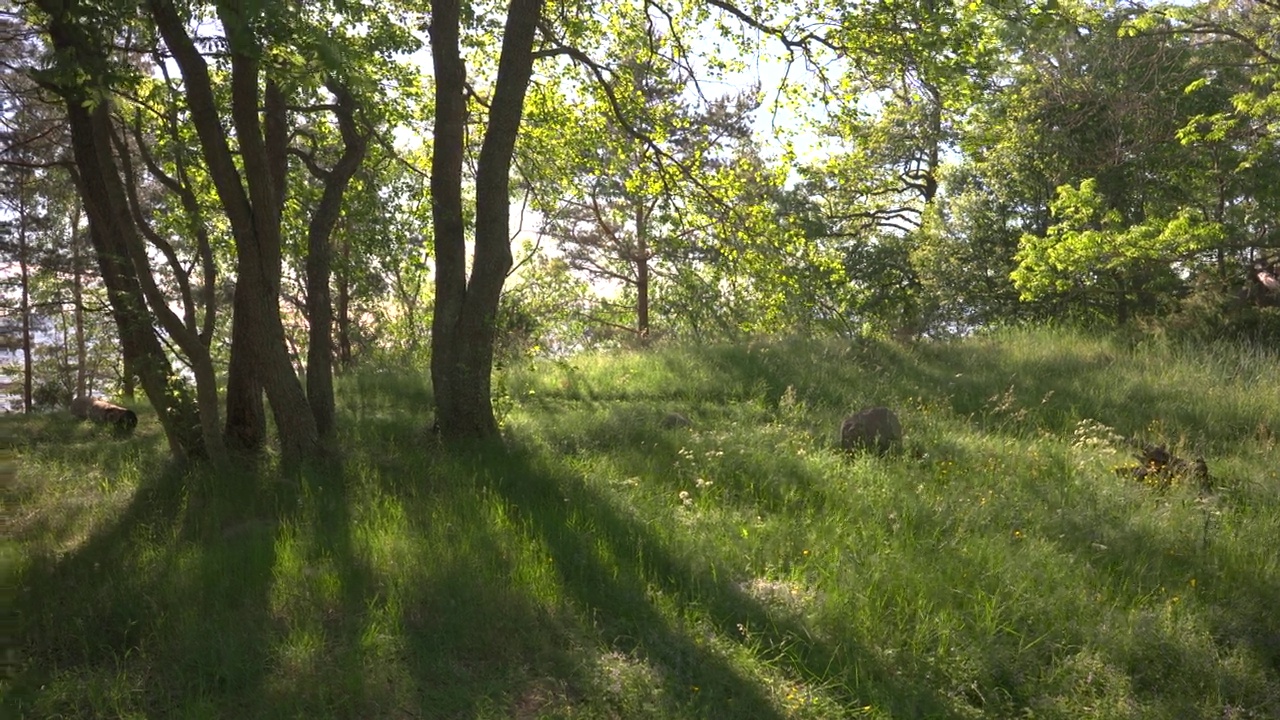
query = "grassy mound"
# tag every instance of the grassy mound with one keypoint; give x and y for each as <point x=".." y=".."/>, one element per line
<point x="603" y="564"/>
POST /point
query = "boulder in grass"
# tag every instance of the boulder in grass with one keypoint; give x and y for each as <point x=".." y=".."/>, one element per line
<point x="103" y="412"/>
<point x="876" y="429"/>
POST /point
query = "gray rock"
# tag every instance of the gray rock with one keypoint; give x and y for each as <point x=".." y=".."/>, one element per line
<point x="873" y="428"/>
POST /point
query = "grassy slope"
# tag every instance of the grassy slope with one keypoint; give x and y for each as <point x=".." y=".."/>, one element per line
<point x="600" y="566"/>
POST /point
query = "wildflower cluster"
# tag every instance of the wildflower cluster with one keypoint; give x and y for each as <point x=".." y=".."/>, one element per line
<point x="1093" y="435"/>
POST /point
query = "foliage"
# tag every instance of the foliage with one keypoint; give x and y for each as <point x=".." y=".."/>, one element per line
<point x="704" y="170"/>
<point x="963" y="255"/>
<point x="545" y="310"/>
<point x="1090" y="245"/>
<point x="633" y="174"/>
<point x="1213" y="312"/>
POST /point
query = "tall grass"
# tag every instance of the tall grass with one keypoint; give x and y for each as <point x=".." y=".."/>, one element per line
<point x="597" y="564"/>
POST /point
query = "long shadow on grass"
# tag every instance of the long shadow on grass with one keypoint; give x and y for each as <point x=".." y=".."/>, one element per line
<point x="1163" y="585"/>
<point x="334" y="681"/>
<point x="844" y="376"/>
<point x="573" y="522"/>
<point x="157" y="612"/>
<point x="474" y="639"/>
<point x="65" y="619"/>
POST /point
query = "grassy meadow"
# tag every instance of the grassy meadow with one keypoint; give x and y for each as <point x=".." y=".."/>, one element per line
<point x="598" y="564"/>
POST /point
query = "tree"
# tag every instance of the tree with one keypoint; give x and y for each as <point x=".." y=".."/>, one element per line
<point x="282" y="67"/>
<point x="624" y="210"/>
<point x="319" y="264"/>
<point x="466" y="304"/>
<point x="382" y="270"/>
<point x="31" y="134"/>
<point x="15" y="244"/>
<point x="82" y="75"/>
<point x="1144" y="162"/>
<point x="251" y="200"/>
<point x="913" y="72"/>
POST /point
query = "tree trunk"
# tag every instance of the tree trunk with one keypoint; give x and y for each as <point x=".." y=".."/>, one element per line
<point x="101" y="189"/>
<point x="111" y="210"/>
<point x="246" y="428"/>
<point x="25" y="307"/>
<point x="258" y="255"/>
<point x="128" y="378"/>
<point x="253" y="207"/>
<point x="344" y="307"/>
<point x="246" y="413"/>
<point x="320" y="262"/>
<point x="104" y="198"/>
<point x="465" y="309"/>
<point x="265" y="357"/>
<point x="183" y="332"/>
<point x="320" y="336"/>
<point x="642" y="273"/>
<point x="77" y="299"/>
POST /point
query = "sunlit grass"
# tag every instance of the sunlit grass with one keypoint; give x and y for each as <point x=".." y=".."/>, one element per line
<point x="599" y="564"/>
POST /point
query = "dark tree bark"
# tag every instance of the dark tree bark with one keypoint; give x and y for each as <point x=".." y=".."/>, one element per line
<point x="24" y="268"/>
<point x="119" y="249"/>
<point x="77" y="299"/>
<point x="320" y="259"/>
<point x="642" y="271"/>
<point x="344" y="307"/>
<point x="128" y="378"/>
<point x="465" y="308"/>
<point x="184" y="331"/>
<point x="253" y="208"/>
<point x="246" y="427"/>
<point x="110" y="226"/>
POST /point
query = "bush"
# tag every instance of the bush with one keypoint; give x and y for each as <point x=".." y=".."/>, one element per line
<point x="1213" y="311"/>
<point x="51" y="394"/>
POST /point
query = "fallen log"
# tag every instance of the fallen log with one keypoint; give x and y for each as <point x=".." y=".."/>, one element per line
<point x="101" y="411"/>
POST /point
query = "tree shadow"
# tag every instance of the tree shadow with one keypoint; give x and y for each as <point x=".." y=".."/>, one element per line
<point x="327" y="595"/>
<point x="609" y="565"/>
<point x="162" y="599"/>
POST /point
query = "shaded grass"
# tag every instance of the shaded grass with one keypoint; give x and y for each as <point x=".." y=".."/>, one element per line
<point x="597" y="565"/>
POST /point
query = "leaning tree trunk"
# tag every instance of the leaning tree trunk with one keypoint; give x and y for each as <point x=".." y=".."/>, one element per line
<point x="465" y="311"/>
<point x="123" y="257"/>
<point x="344" y="306"/>
<point x="268" y="353"/>
<point x="107" y="208"/>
